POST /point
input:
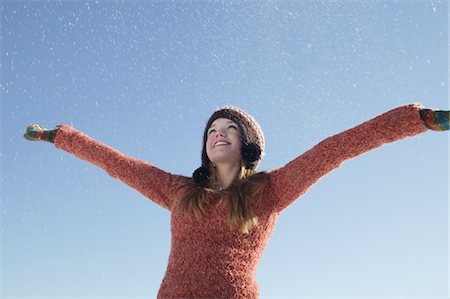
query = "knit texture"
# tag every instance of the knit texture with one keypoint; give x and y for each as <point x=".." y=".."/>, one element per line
<point x="207" y="258"/>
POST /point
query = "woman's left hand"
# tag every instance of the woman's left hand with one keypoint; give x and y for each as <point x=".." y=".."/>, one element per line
<point x="436" y="120"/>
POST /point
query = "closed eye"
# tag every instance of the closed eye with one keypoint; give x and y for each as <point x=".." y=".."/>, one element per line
<point x="229" y="127"/>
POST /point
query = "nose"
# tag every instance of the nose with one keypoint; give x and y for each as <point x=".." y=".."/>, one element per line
<point x="220" y="132"/>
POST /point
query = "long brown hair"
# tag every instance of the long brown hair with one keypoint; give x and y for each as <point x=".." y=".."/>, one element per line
<point x="245" y="186"/>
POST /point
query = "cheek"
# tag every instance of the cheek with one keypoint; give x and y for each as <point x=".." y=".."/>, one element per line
<point x="208" y="146"/>
<point x="238" y="142"/>
<point x="208" y="143"/>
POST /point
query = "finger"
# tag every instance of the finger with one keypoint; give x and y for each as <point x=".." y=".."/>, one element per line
<point x="35" y="127"/>
<point x="32" y="133"/>
<point x="29" y="137"/>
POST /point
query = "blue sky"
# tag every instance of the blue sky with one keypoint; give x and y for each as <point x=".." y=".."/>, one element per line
<point x="144" y="77"/>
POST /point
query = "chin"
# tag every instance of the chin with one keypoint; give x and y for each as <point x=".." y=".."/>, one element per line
<point x="225" y="159"/>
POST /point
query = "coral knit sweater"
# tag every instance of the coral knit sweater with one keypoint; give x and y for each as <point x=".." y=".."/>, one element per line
<point x="207" y="258"/>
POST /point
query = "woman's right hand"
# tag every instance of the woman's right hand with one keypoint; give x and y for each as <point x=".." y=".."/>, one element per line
<point x="37" y="132"/>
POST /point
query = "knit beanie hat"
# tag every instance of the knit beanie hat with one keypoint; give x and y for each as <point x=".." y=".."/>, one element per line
<point x="252" y="141"/>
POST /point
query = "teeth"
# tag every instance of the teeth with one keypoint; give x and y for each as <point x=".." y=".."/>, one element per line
<point x="221" y="143"/>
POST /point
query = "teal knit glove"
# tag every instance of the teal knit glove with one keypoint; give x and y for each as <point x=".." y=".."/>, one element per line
<point x="39" y="133"/>
<point x="436" y="120"/>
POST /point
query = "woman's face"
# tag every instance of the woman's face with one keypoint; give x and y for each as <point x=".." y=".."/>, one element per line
<point x="223" y="143"/>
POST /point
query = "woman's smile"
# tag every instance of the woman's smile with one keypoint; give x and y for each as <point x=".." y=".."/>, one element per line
<point x="221" y="143"/>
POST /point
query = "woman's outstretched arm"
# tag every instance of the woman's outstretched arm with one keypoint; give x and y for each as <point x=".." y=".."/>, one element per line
<point x="149" y="180"/>
<point x="296" y="177"/>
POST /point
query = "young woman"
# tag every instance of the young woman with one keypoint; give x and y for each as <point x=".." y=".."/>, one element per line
<point x="222" y="217"/>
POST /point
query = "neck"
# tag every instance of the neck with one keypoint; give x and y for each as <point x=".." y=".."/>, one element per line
<point x="226" y="174"/>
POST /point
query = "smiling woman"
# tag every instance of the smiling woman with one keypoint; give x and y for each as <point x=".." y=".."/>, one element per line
<point x="224" y="143"/>
<point x="223" y="217"/>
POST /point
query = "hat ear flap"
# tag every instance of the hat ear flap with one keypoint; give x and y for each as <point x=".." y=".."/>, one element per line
<point x="201" y="176"/>
<point x="250" y="152"/>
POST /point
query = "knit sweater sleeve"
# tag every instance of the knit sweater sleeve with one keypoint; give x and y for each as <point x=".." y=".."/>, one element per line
<point x="295" y="178"/>
<point x="152" y="182"/>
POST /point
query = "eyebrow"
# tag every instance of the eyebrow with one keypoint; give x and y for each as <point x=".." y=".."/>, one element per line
<point x="228" y="122"/>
